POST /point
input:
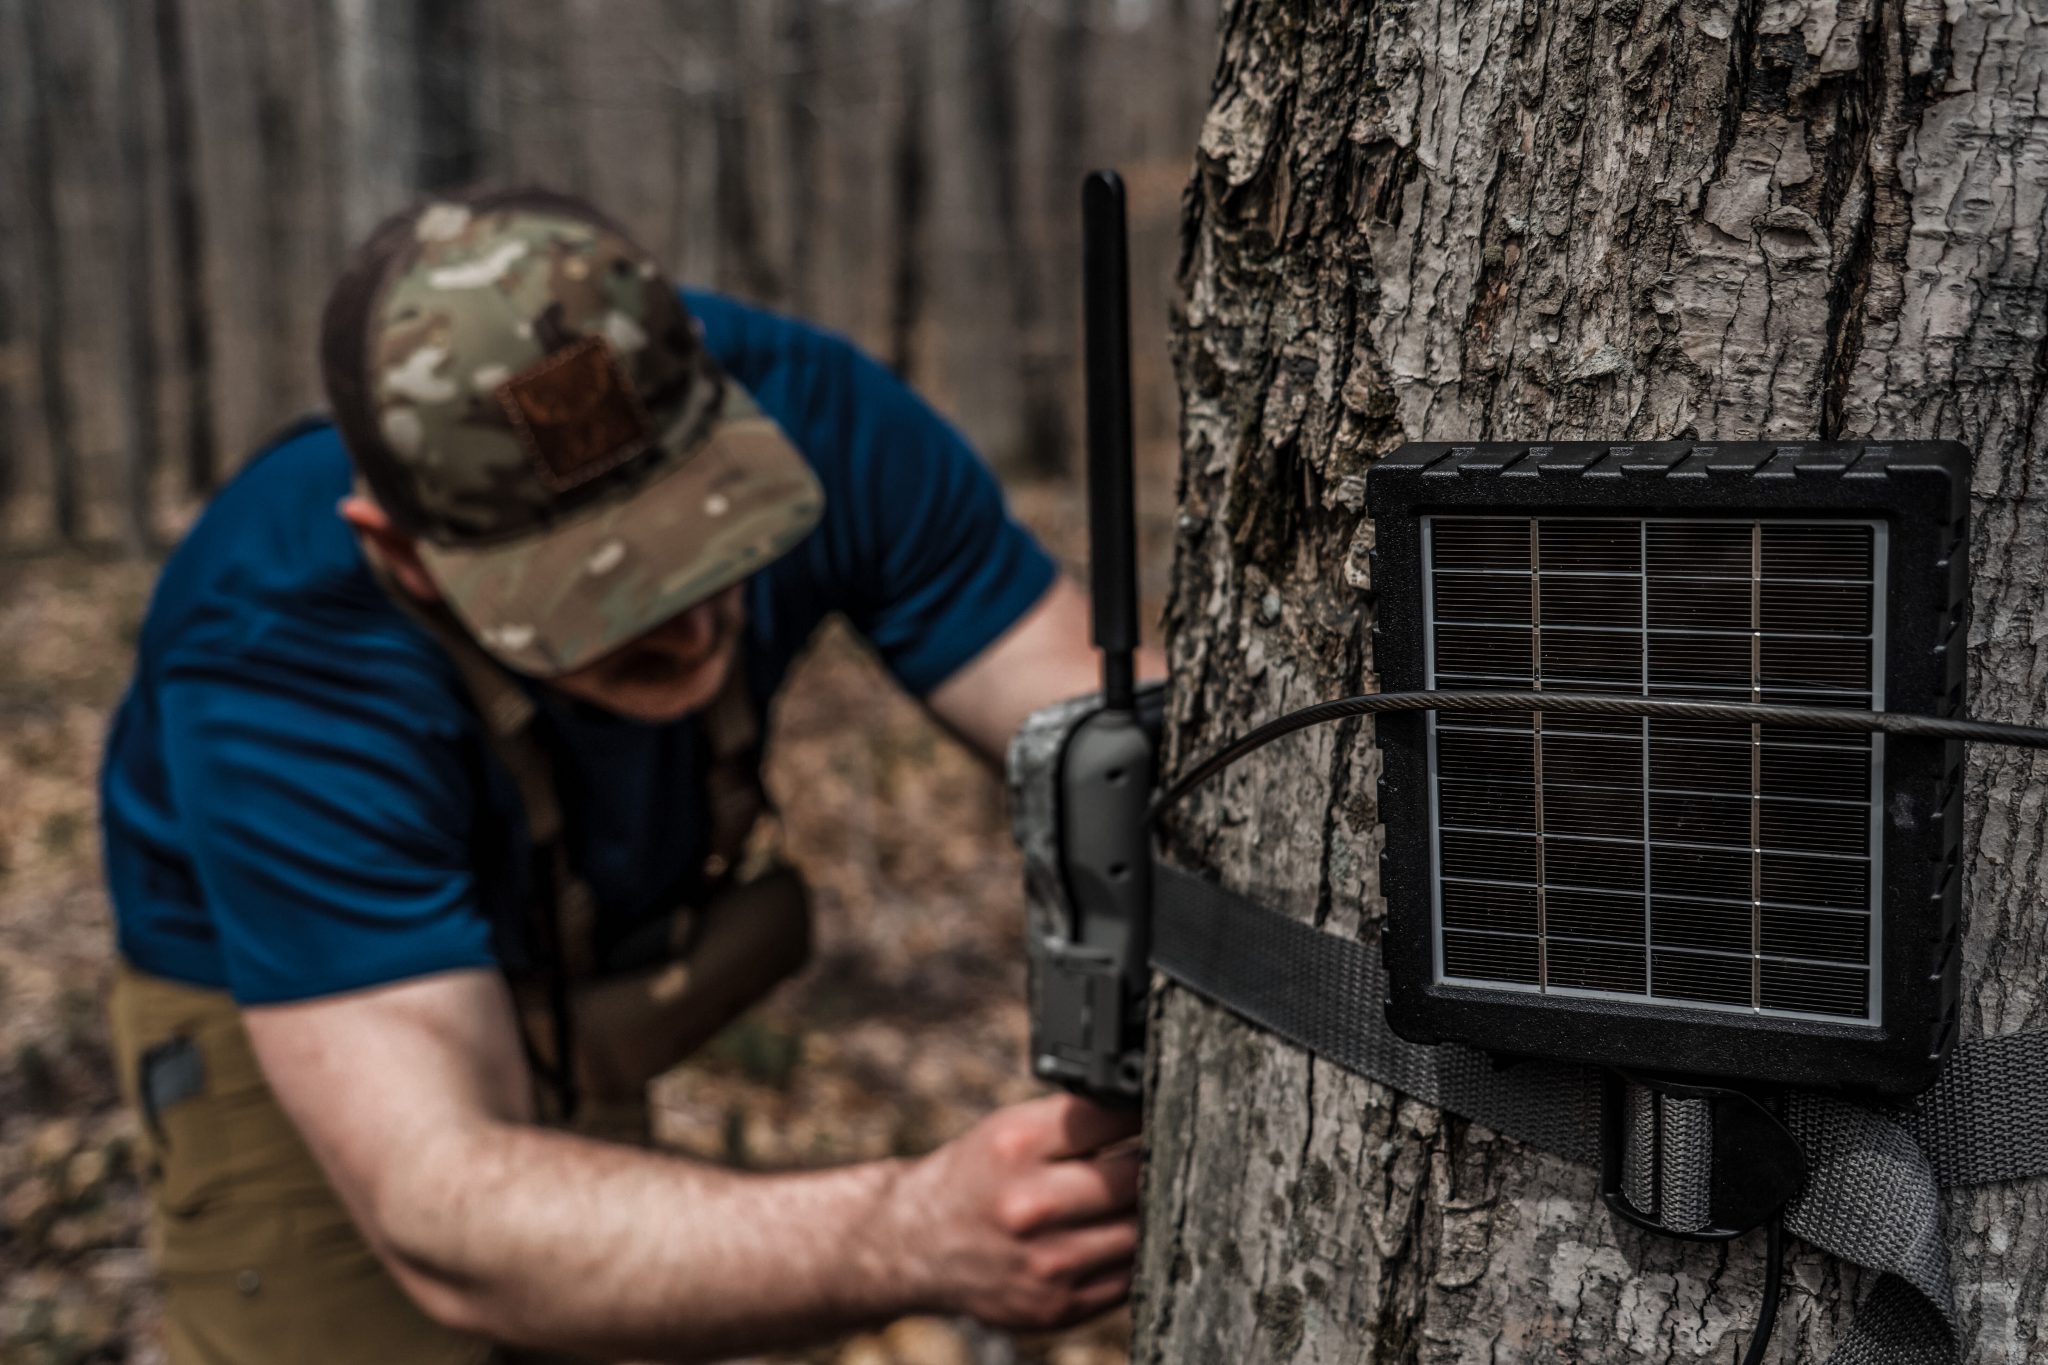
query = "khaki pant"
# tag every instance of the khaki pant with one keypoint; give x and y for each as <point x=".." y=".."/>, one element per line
<point x="260" y="1262"/>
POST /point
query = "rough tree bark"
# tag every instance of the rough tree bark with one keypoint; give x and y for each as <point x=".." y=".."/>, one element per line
<point x="1633" y="219"/>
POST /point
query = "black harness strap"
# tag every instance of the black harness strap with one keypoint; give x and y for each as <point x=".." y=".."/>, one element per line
<point x="1872" y="1193"/>
<point x="1329" y="995"/>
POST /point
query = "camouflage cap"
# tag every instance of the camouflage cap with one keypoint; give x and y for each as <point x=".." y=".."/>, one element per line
<point x="522" y="390"/>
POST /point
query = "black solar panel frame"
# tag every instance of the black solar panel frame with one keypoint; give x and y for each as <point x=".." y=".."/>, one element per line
<point x="1920" y="492"/>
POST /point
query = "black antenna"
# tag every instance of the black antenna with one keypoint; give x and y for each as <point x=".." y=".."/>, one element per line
<point x="1112" y="503"/>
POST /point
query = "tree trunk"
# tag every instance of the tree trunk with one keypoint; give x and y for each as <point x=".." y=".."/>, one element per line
<point x="1069" y="157"/>
<point x="50" y="95"/>
<point x="140" y="428"/>
<point x="745" y="264"/>
<point x="372" y="115"/>
<point x="192" y="308"/>
<point x="909" y="200"/>
<point x="1589" y="219"/>
<point x="14" y="341"/>
<point x="281" y="153"/>
<point x="543" y="53"/>
<point x="991" y="80"/>
<point x="445" y="79"/>
<point x="691" y="79"/>
<point x="797" y="80"/>
<point x="12" y="364"/>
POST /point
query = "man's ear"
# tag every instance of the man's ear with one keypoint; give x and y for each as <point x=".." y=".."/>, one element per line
<point x="397" y="549"/>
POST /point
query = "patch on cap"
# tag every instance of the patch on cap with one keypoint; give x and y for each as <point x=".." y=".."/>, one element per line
<point x="577" y="413"/>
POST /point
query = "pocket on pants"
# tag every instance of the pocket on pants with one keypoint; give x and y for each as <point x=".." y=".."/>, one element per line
<point x="221" y="1141"/>
<point x="260" y="1262"/>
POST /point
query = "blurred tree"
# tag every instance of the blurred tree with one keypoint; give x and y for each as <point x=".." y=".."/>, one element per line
<point x="1069" y="156"/>
<point x="1190" y="41"/>
<point x="991" y="78"/>
<point x="12" y="363"/>
<point x="1579" y="220"/>
<point x="744" y="263"/>
<point x="899" y="169"/>
<point x="448" y="40"/>
<point x="541" y="50"/>
<point x="690" y="86"/>
<point x="13" y="344"/>
<point x="52" y="94"/>
<point x="137" y="373"/>
<point x="191" y="307"/>
<point x="798" y="78"/>
<point x="909" y="200"/>
<point x="373" y="115"/>
<point x="282" y="149"/>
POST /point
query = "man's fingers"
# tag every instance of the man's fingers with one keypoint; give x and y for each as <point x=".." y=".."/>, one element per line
<point x="1073" y="1126"/>
<point x="1082" y="1190"/>
<point x="1103" y="1293"/>
<point x="1078" y="1255"/>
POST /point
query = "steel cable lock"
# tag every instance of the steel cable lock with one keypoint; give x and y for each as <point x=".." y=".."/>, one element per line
<point x="1720" y="916"/>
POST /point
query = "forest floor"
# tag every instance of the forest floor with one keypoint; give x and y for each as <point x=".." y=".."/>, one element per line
<point x="907" y="1026"/>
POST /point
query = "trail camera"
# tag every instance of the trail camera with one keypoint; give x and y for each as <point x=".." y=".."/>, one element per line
<point x="1092" y="903"/>
<point x="1674" y="895"/>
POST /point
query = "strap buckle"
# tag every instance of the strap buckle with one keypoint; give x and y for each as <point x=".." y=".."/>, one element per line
<point x="1692" y="1159"/>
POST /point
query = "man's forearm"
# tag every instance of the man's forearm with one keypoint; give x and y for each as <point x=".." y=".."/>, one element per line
<point x="413" y="1098"/>
<point x="544" y="1239"/>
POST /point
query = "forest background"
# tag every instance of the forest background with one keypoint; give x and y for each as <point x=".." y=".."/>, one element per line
<point x="179" y="180"/>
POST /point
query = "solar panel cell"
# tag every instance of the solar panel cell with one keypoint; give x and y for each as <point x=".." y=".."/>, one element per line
<point x="1701" y="863"/>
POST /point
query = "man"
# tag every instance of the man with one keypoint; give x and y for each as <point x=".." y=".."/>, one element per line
<point x="438" y="772"/>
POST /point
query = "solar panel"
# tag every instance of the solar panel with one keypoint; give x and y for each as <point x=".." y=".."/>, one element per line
<point x="1695" y="895"/>
<point x="1718" y="866"/>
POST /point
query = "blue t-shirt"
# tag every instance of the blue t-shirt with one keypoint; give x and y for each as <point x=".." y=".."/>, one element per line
<point x="297" y="795"/>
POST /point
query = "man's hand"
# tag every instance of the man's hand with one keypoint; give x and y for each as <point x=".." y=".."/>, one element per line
<point x="1027" y="1220"/>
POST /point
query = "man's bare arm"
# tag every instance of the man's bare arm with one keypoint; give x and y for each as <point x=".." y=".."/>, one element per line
<point x="413" y="1097"/>
<point x="1046" y="657"/>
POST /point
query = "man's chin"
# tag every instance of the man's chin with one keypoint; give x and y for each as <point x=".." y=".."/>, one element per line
<point x="654" y="711"/>
<point x="662" y="703"/>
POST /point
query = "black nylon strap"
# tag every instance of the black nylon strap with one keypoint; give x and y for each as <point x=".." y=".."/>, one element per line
<point x="1329" y="995"/>
<point x="1963" y="1147"/>
<point x="1872" y="1192"/>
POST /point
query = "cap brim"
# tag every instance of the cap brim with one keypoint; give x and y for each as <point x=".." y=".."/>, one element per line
<point x="551" y="603"/>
